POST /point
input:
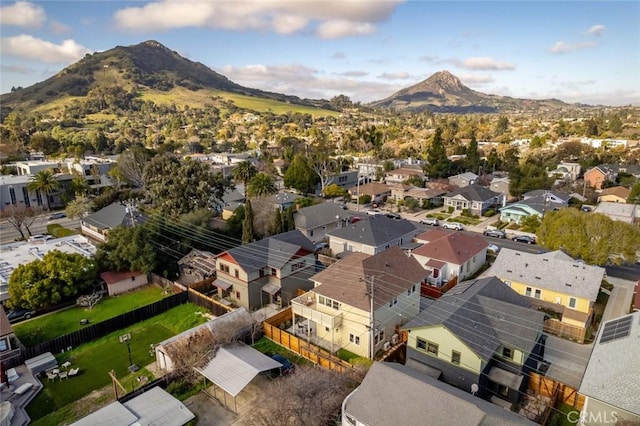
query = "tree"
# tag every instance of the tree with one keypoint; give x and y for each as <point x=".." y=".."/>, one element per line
<point x="261" y="185"/>
<point x="530" y="223"/>
<point x="634" y="195"/>
<point x="44" y="182"/>
<point x="527" y="177"/>
<point x="299" y="175"/>
<point x="438" y="164"/>
<point x="244" y="172"/>
<point x="128" y="249"/>
<point x="288" y="223"/>
<point x="247" y="224"/>
<point x="334" y="190"/>
<point x="54" y="279"/>
<point x="79" y="185"/>
<point x="130" y="165"/>
<point x="16" y="214"/>
<point x="277" y="226"/>
<point x="177" y="187"/>
<point x="502" y="126"/>
<point x="472" y="159"/>
<point x="78" y="208"/>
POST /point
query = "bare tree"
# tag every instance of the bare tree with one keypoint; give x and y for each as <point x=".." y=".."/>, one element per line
<point x="33" y="213"/>
<point x="131" y="166"/>
<point x="20" y="215"/>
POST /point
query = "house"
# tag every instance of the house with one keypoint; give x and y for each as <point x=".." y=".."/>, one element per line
<point x="610" y="383"/>
<point x="9" y="346"/>
<point x="394" y="394"/>
<point x="371" y="235"/>
<point x="271" y="270"/>
<point x="474" y="198"/>
<point x="197" y="265"/>
<point x="629" y="213"/>
<point x="379" y="192"/>
<point x="122" y="282"/>
<point x="231" y="200"/>
<point x="501" y="186"/>
<point x="548" y="196"/>
<point x="432" y="196"/>
<point x="356" y="292"/>
<point x="616" y="194"/>
<point x="14" y="191"/>
<point x="534" y="206"/>
<point x="553" y="281"/>
<point x="27" y="168"/>
<point x="344" y="179"/>
<point x="448" y="254"/>
<point x="283" y="200"/>
<point x="98" y="224"/>
<point x="315" y="221"/>
<point x="463" y="179"/>
<point x="566" y="171"/>
<point x="403" y="174"/>
<point x="481" y="337"/>
<point x="596" y="176"/>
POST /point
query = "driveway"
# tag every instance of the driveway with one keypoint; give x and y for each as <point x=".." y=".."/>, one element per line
<point x="620" y="300"/>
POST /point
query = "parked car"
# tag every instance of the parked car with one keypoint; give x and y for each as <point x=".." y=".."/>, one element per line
<point x="394" y="216"/>
<point x="287" y="366"/>
<point x="431" y="221"/>
<point x="496" y="233"/>
<point x="374" y="212"/>
<point x="453" y="225"/>
<point x="34" y="238"/>
<point x="59" y="215"/>
<point x="524" y="239"/>
<point x="493" y="248"/>
<point x="19" y="314"/>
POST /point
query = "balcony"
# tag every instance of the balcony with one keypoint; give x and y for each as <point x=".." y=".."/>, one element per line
<point x="307" y="307"/>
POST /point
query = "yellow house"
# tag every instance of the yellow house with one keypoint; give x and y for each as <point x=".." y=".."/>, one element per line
<point x="461" y="340"/>
<point x="616" y="194"/>
<point x="552" y="280"/>
<point x="339" y="311"/>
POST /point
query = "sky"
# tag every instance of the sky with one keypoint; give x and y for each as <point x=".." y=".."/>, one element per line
<point x="575" y="51"/>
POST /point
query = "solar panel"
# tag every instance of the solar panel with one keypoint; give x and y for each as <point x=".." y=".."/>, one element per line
<point x="616" y="329"/>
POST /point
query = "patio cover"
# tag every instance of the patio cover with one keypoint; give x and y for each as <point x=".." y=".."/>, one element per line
<point x="222" y="284"/>
<point x="271" y="288"/>
<point x="234" y="366"/>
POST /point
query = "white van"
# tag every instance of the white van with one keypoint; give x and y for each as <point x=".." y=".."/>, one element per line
<point x="35" y="238"/>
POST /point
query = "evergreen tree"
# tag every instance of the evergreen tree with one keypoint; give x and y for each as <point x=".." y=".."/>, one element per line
<point x="473" y="156"/>
<point x="438" y="165"/>
<point x="277" y="225"/>
<point x="247" y="224"/>
<point x="299" y="175"/>
<point x="288" y="223"/>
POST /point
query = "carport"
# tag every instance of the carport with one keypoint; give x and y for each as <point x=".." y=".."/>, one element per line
<point x="232" y="367"/>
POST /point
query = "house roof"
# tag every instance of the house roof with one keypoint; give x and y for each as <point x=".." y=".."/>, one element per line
<point x="232" y="196"/>
<point x="474" y="193"/>
<point x="618" y="211"/>
<point x="485" y="314"/>
<point x="632" y="169"/>
<point x="273" y="252"/>
<point x="112" y="277"/>
<point x="406" y="171"/>
<point x="283" y="198"/>
<point x="550" y="271"/>
<point x="450" y="246"/>
<point x="469" y="176"/>
<point x="5" y="326"/>
<point x="319" y="215"/>
<point x="544" y="192"/>
<point x="113" y="215"/>
<point x="371" y="188"/>
<point x="348" y="282"/>
<point x="393" y="393"/>
<point x="619" y="191"/>
<point x="201" y="261"/>
<point x="374" y="230"/>
<point x="613" y="371"/>
<point x="539" y="203"/>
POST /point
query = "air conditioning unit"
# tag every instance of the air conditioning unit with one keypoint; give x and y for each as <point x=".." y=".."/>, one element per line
<point x="394" y="339"/>
<point x="386" y="346"/>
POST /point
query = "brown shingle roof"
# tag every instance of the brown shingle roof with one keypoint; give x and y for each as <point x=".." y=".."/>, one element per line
<point x="450" y="247"/>
<point x="5" y="326"/>
<point x="619" y="191"/>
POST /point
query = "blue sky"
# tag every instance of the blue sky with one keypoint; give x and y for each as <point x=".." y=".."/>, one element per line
<point x="574" y="51"/>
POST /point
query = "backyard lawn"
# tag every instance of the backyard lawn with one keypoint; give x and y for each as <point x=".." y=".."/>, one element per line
<point x="97" y="358"/>
<point x="47" y="327"/>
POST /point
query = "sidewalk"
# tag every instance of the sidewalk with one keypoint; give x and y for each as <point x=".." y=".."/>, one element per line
<point x="619" y="302"/>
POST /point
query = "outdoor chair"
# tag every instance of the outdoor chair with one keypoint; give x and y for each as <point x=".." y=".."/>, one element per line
<point x="51" y="376"/>
<point x="73" y="372"/>
<point x="63" y="375"/>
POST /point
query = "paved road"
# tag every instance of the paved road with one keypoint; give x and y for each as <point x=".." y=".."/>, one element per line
<point x="8" y="233"/>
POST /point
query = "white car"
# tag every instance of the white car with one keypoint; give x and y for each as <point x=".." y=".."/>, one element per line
<point x="374" y="212"/>
<point x="34" y="238"/>
<point x="493" y="248"/>
<point x="453" y="225"/>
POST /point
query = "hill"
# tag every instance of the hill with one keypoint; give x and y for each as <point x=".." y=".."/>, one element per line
<point x="146" y="67"/>
<point x="444" y="92"/>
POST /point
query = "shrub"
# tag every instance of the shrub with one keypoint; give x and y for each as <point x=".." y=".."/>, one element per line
<point x="365" y="199"/>
<point x="450" y="209"/>
<point x="489" y="213"/>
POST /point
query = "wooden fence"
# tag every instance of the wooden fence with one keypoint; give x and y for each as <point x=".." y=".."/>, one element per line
<point x="217" y="308"/>
<point x="558" y="392"/>
<point x="433" y="292"/>
<point x="555" y="326"/>
<point x="313" y="353"/>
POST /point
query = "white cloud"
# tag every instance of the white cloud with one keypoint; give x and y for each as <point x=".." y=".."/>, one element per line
<point x="26" y="46"/>
<point x="562" y="47"/>
<point x="475" y="79"/>
<point x="59" y="28"/>
<point x="354" y="73"/>
<point x="486" y="63"/>
<point x="326" y="19"/>
<point x="596" y="30"/>
<point x="399" y="75"/>
<point x="22" y="14"/>
<point x="339" y="55"/>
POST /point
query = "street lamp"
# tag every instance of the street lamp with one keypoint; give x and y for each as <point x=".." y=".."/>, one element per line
<point x="125" y="338"/>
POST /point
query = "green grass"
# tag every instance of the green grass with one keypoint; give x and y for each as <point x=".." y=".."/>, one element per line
<point x="345" y="355"/>
<point x="97" y="358"/>
<point x="267" y="346"/>
<point x="58" y="231"/>
<point x="562" y="418"/>
<point x="47" y="327"/>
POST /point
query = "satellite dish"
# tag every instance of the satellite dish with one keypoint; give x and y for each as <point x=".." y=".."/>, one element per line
<point x="474" y="389"/>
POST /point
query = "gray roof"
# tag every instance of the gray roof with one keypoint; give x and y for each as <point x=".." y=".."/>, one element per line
<point x="233" y="366"/>
<point x="466" y="176"/>
<point x="540" y="204"/>
<point x="273" y="252"/>
<point x="375" y="230"/>
<point x="232" y="196"/>
<point x="549" y="271"/>
<point x="613" y="372"/>
<point x="113" y="215"/>
<point x="394" y="394"/>
<point x="319" y="215"/>
<point x="474" y="193"/>
<point x="485" y="314"/>
<point x="618" y="211"/>
<point x="544" y="192"/>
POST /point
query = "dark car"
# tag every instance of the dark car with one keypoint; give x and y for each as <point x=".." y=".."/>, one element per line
<point x="59" y="215"/>
<point x="524" y="239"/>
<point x="287" y="366"/>
<point x="496" y="233"/>
<point x="19" y="314"/>
<point x="394" y="216"/>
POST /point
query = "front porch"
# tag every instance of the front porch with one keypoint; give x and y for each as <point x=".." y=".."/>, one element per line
<point x="307" y="320"/>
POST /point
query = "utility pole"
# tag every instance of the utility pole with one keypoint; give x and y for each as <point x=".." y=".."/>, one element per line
<point x="372" y="324"/>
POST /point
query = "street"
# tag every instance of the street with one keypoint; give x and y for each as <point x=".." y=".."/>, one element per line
<point x="8" y="233"/>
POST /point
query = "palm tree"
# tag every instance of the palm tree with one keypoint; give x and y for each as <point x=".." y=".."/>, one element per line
<point x="45" y="182"/>
<point x="261" y="185"/>
<point x="79" y="185"/>
<point x="244" y="172"/>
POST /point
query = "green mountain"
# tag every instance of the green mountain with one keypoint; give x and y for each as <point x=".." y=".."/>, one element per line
<point x="146" y="67"/>
<point x="444" y="92"/>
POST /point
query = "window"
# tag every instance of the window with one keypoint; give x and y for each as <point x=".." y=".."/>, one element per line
<point x="432" y="348"/>
<point x="25" y="196"/>
<point x="393" y="302"/>
<point x="3" y="345"/>
<point x="379" y="336"/>
<point x="237" y="295"/>
<point x="354" y="339"/>
<point x="537" y="293"/>
<point x="421" y="344"/>
<point x="321" y="300"/>
<point x="528" y="292"/>
<point x="455" y="357"/>
<point x="474" y="259"/>
<point x="507" y="352"/>
<point x="299" y="265"/>
<point x="335" y="305"/>
<point x="311" y="232"/>
<point x="237" y="273"/>
<point x="273" y="271"/>
<point x="261" y="273"/>
<point x="572" y="302"/>
<point x="342" y="179"/>
<point x="12" y="194"/>
<point x="224" y="268"/>
<point x="326" y="329"/>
